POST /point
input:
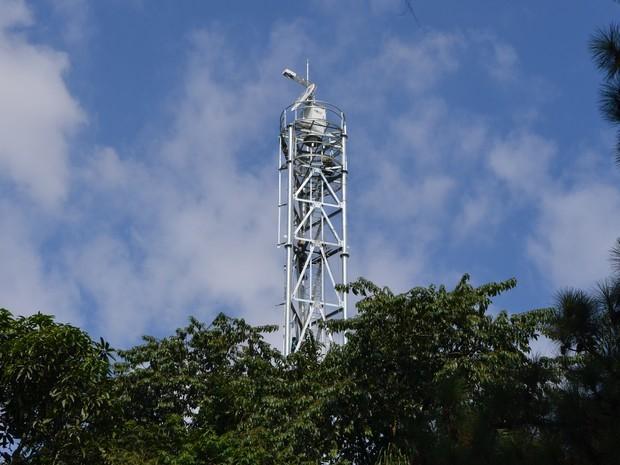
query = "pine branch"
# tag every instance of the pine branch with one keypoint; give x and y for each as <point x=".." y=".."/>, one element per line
<point x="605" y="49"/>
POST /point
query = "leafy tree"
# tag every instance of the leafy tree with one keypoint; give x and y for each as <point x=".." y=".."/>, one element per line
<point x="181" y="399"/>
<point x="427" y="377"/>
<point x="220" y="394"/>
<point x="53" y="380"/>
<point x="430" y="373"/>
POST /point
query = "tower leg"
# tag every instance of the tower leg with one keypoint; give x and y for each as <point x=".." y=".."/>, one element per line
<point x="289" y="242"/>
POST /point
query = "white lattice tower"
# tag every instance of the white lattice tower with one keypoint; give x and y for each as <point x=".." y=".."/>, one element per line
<point x="312" y="217"/>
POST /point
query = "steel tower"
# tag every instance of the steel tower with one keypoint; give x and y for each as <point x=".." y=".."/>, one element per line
<point x="312" y="216"/>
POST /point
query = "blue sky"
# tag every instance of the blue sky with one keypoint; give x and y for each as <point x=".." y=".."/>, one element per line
<point x="138" y="144"/>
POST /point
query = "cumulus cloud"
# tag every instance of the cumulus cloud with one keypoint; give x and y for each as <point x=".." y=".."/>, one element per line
<point x="435" y="136"/>
<point x="390" y="262"/>
<point x="522" y="161"/>
<point x="574" y="215"/>
<point x="38" y="114"/>
<point x="200" y="208"/>
<point x="27" y="283"/>
<point x="37" y="117"/>
<point x="574" y="233"/>
<point x="76" y="20"/>
<point x="416" y="67"/>
<point x="398" y="69"/>
<point x="103" y="268"/>
<point x="497" y="57"/>
<point x="395" y="195"/>
<point x="504" y="64"/>
<point x="14" y="13"/>
<point x="489" y="170"/>
<point x="480" y="211"/>
<point x="105" y="169"/>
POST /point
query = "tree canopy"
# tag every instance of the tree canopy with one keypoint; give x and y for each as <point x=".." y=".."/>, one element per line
<point x="54" y="390"/>
<point x="429" y="376"/>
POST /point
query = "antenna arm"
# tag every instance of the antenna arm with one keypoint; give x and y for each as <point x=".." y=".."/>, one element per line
<point x="289" y="73"/>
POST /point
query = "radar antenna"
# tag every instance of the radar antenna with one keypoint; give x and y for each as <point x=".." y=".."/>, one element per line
<point x="308" y="94"/>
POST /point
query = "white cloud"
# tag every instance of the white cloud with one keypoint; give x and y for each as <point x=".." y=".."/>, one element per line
<point x="503" y="67"/>
<point x="77" y="25"/>
<point x="202" y="221"/>
<point x="479" y="211"/>
<point x="395" y="195"/>
<point x="435" y="136"/>
<point x="105" y="169"/>
<point x="104" y="269"/>
<point x="14" y="13"/>
<point x="522" y="161"/>
<point x="396" y="71"/>
<point x="37" y="116"/>
<point x="37" y="113"/>
<point x="390" y="262"/>
<point x="498" y="58"/>
<point x="573" y="215"/>
<point x="27" y="283"/>
<point x="574" y="233"/>
<point x="544" y="347"/>
<point x="417" y="67"/>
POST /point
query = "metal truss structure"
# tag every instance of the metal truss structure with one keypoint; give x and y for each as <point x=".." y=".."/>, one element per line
<point x="312" y="218"/>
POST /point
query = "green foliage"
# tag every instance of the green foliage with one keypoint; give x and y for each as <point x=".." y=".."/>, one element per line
<point x="180" y="398"/>
<point x="53" y="389"/>
<point x="392" y="456"/>
<point x="219" y="394"/>
<point x="431" y="372"/>
<point x="428" y="372"/>
<point x="429" y="376"/>
<point x="605" y="50"/>
<point x="587" y="402"/>
<point x="615" y="257"/>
